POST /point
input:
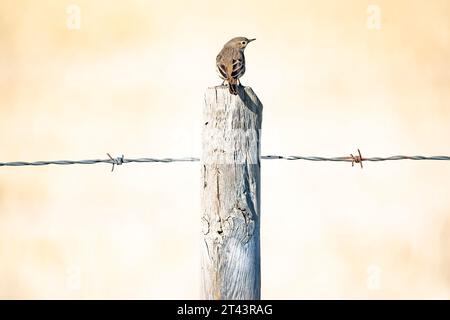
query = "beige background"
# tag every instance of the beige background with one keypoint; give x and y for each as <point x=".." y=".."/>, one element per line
<point x="131" y="80"/>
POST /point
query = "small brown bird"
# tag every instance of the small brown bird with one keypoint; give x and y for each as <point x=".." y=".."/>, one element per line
<point x="230" y="62"/>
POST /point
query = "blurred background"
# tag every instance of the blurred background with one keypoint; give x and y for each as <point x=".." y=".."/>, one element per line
<point x="82" y="78"/>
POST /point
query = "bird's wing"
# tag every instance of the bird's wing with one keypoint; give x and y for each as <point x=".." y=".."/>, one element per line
<point x="238" y="65"/>
<point x="230" y="63"/>
<point x="221" y="68"/>
<point x="238" y="68"/>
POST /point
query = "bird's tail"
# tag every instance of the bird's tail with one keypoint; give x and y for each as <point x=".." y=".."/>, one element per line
<point x="232" y="85"/>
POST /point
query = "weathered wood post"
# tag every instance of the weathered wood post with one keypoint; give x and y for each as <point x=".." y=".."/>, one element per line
<point x="231" y="194"/>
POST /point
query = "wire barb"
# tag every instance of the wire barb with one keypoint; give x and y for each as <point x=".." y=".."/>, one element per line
<point x="357" y="159"/>
<point x="116" y="161"/>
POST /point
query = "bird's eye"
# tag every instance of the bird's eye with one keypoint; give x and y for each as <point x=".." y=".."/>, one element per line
<point x="243" y="43"/>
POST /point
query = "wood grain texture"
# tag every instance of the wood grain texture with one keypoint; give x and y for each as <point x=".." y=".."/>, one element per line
<point x="231" y="194"/>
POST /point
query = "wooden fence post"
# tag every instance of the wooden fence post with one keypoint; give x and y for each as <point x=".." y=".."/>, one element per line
<point x="231" y="194"/>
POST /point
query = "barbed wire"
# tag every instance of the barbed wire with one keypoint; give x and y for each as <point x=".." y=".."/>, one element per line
<point x="114" y="161"/>
<point x="121" y="160"/>
<point x="359" y="158"/>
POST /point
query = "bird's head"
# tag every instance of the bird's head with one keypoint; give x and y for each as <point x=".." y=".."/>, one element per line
<point x="239" y="42"/>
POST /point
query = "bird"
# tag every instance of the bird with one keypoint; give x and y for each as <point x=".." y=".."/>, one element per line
<point x="230" y="62"/>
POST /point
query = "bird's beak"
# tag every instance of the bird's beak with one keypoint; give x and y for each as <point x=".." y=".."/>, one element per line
<point x="250" y="40"/>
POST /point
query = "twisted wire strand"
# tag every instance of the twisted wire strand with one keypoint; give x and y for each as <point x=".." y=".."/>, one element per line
<point x="349" y="159"/>
<point x="113" y="161"/>
<point x="94" y="161"/>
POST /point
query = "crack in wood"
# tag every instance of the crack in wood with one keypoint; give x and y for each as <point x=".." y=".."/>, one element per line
<point x="207" y="226"/>
<point x="205" y="184"/>
<point x="219" y="218"/>
<point x="247" y="220"/>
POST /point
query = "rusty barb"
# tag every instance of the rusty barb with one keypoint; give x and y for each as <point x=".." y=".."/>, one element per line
<point x="357" y="159"/>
